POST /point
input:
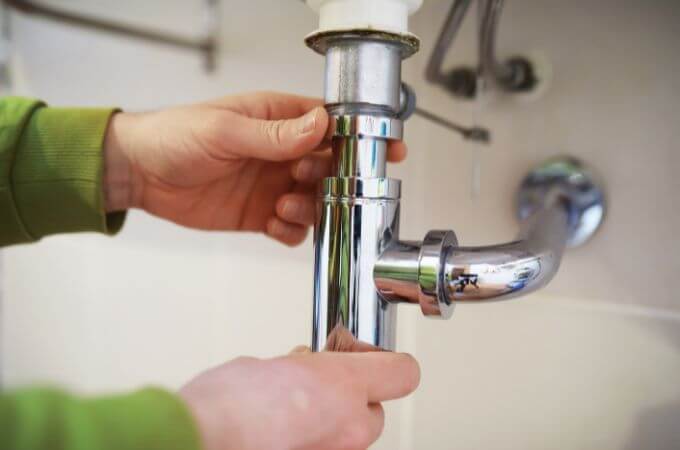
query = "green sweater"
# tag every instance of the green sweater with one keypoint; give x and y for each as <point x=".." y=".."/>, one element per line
<point x="51" y="182"/>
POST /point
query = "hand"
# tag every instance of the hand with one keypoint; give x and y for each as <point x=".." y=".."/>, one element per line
<point x="304" y="401"/>
<point x="243" y="163"/>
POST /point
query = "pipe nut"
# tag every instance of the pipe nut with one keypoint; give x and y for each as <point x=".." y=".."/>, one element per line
<point x="433" y="296"/>
<point x="362" y="125"/>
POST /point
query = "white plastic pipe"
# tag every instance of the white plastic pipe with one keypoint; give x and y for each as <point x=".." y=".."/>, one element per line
<point x="380" y="15"/>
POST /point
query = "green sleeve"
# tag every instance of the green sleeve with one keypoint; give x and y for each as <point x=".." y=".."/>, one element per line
<point x="46" y="419"/>
<point x="51" y="170"/>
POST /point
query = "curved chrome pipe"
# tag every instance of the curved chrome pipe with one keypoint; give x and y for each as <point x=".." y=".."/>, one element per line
<point x="560" y="204"/>
<point x="437" y="272"/>
<point x="507" y="270"/>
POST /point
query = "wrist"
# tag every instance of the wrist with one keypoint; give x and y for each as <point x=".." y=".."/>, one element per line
<point x="118" y="180"/>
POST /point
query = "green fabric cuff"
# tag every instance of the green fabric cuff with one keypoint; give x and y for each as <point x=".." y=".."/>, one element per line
<point x="57" y="173"/>
<point x="150" y="419"/>
<point x="14" y="115"/>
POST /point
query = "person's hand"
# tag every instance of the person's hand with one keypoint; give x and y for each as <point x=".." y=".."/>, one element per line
<point x="304" y="401"/>
<point x="247" y="163"/>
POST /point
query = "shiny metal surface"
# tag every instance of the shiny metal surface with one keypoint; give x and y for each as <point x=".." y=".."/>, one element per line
<point x="569" y="179"/>
<point x="361" y="269"/>
<point x="351" y="232"/>
<point x="409" y="106"/>
<point x="505" y="271"/>
<point x="413" y="272"/>
<point x="360" y="144"/>
<point x="366" y="126"/>
<point x="363" y="72"/>
<point x="358" y="209"/>
<point x="362" y="188"/>
<point x="560" y="203"/>
<point x="431" y="263"/>
<point x="357" y="157"/>
<point x="396" y="272"/>
<point x="357" y="218"/>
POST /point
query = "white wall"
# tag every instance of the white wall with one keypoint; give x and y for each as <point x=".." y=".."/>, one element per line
<point x="592" y="362"/>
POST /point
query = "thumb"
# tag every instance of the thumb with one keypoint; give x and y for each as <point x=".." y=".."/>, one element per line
<point x="277" y="140"/>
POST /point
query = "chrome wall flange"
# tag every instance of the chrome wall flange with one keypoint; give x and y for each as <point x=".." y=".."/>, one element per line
<point x="565" y="179"/>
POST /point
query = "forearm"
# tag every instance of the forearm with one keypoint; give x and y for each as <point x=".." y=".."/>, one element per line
<point x="151" y="419"/>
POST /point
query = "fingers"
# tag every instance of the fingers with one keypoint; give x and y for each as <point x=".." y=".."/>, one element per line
<point x="295" y="213"/>
<point x="375" y="421"/>
<point x="270" y="105"/>
<point x="297" y="208"/>
<point x="274" y="140"/>
<point x="386" y="375"/>
<point x="277" y="127"/>
<point x="287" y="233"/>
<point x="363" y="431"/>
<point x="396" y="152"/>
<point x="382" y="375"/>
<point x="312" y="168"/>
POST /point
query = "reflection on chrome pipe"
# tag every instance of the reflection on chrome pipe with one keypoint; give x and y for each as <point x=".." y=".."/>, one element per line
<point x="561" y="205"/>
<point x="508" y="270"/>
<point x="405" y="272"/>
<point x="358" y="219"/>
<point x="361" y="269"/>
<point x="358" y="207"/>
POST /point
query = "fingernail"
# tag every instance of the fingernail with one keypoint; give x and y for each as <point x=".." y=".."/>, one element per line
<point x="309" y="122"/>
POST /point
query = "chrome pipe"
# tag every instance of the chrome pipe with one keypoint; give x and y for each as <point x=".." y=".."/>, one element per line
<point x="363" y="72"/>
<point x="362" y="271"/>
<point x="508" y="270"/>
<point x="560" y="204"/>
<point x="459" y="273"/>
<point x="357" y="220"/>
<point x="358" y="207"/>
